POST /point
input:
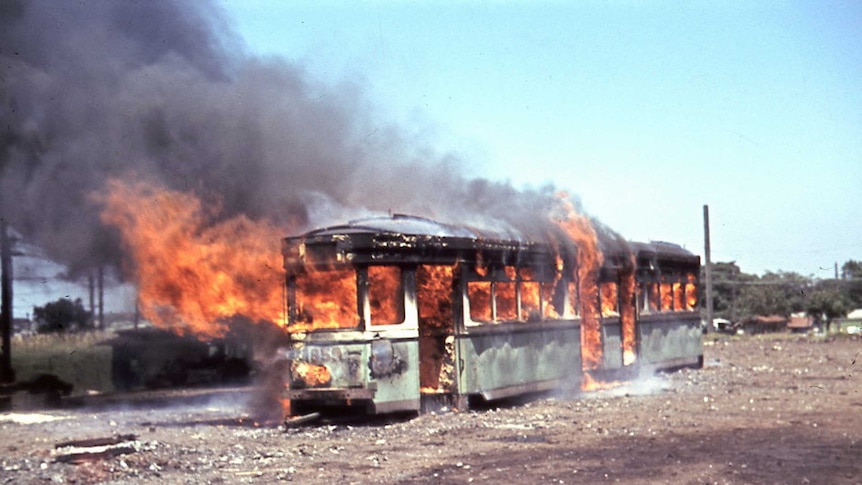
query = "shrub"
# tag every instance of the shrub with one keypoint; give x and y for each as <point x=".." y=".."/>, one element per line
<point x="62" y="315"/>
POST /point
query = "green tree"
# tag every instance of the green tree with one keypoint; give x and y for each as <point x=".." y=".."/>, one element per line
<point x="827" y="304"/>
<point x="727" y="282"/>
<point x="851" y="278"/>
<point x="851" y="270"/>
<point x="62" y="315"/>
<point x="780" y="293"/>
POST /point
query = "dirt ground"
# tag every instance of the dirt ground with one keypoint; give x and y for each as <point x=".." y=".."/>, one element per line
<point x="774" y="409"/>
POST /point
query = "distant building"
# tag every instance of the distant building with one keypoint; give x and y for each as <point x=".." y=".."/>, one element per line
<point x="852" y="323"/>
<point x="800" y="323"/>
<point x="762" y="324"/>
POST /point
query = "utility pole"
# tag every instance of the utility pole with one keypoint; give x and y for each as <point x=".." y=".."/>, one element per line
<point x="6" y="373"/>
<point x="708" y="269"/>
<point x="101" y="296"/>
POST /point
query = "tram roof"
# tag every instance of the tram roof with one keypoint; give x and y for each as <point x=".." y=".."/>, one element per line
<point x="410" y="238"/>
<point x="662" y="249"/>
<point x="413" y="226"/>
<point x="413" y="231"/>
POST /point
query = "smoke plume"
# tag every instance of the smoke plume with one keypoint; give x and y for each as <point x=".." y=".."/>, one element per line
<point x="163" y="90"/>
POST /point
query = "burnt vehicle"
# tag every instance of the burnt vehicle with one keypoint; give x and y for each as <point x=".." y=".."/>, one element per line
<point x="402" y="313"/>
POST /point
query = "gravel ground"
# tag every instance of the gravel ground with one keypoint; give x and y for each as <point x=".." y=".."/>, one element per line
<point x="773" y="409"/>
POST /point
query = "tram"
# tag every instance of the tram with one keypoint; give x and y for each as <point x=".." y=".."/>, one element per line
<point x="402" y="313"/>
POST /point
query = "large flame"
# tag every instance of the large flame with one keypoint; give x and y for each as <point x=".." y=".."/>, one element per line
<point x="627" y="313"/>
<point x="691" y="292"/>
<point x="579" y="228"/>
<point x="192" y="277"/>
<point x="436" y="346"/>
<point x="385" y="295"/>
<point x="325" y="298"/>
<point x="434" y="296"/>
<point x="610" y="299"/>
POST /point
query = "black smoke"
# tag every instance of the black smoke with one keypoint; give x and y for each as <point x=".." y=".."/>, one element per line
<point x="165" y="90"/>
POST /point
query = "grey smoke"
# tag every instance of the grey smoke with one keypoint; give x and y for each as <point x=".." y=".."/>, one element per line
<point x="164" y="90"/>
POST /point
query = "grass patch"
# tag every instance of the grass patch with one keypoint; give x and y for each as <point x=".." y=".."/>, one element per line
<point x="78" y="359"/>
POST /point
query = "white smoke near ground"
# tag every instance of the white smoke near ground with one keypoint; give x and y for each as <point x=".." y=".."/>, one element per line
<point x="164" y="90"/>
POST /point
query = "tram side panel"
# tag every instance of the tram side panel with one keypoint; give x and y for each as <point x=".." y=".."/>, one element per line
<point x="612" y="343"/>
<point x="670" y="339"/>
<point x="503" y="362"/>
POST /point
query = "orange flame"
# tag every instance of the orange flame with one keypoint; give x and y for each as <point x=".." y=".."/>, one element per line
<point x="654" y="297"/>
<point x="434" y="295"/>
<point x="434" y="300"/>
<point x="479" y="294"/>
<point x="325" y="299"/>
<point x="192" y="276"/>
<point x="666" y="290"/>
<point x="582" y="232"/>
<point x="627" y="313"/>
<point x="505" y="296"/>
<point x="312" y="375"/>
<point x="591" y="384"/>
<point x="610" y="299"/>
<point x="677" y="297"/>
<point x="385" y="295"/>
<point x="691" y="293"/>
<point x="531" y="301"/>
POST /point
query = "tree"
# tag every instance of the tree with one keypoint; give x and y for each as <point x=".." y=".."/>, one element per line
<point x="851" y="278"/>
<point x="780" y="293"/>
<point x="727" y="281"/>
<point x="826" y="304"/>
<point x="851" y="270"/>
<point x="62" y="315"/>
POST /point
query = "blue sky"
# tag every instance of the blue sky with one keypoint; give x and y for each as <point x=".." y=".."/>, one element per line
<point x="645" y="110"/>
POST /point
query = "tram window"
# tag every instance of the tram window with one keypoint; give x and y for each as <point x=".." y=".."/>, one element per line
<point x="654" y="297"/>
<point x="479" y="293"/>
<point x="325" y="300"/>
<point x="552" y="304"/>
<point x="678" y="305"/>
<point x="434" y="296"/>
<point x="385" y="295"/>
<point x="530" y="297"/>
<point x="610" y="299"/>
<point x="530" y="294"/>
<point x="690" y="293"/>
<point x="641" y="297"/>
<point x="666" y="290"/>
<point x="573" y="301"/>
<point x="506" y="300"/>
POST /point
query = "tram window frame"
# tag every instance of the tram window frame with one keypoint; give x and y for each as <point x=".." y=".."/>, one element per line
<point x="477" y="287"/>
<point x="611" y="291"/>
<point x="296" y="295"/>
<point x="398" y="298"/>
<point x="434" y="302"/>
<point x="690" y="287"/>
<point x="654" y="296"/>
<point x="672" y="287"/>
<point x="518" y="281"/>
<point x="573" y="300"/>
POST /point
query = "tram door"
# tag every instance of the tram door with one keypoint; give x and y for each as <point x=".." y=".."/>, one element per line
<point x="434" y="299"/>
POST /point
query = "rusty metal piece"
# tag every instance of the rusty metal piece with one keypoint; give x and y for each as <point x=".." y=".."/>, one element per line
<point x="92" y="449"/>
<point x="92" y="442"/>
<point x="330" y="394"/>
<point x="87" y="456"/>
<point x="290" y="422"/>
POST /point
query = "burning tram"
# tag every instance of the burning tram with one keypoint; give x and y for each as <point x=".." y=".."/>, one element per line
<point x="402" y="313"/>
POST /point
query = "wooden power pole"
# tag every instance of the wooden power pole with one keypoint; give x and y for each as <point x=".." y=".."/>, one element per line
<point x="708" y="269"/>
<point x="6" y="373"/>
